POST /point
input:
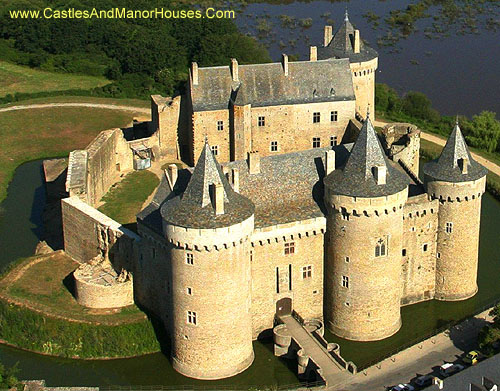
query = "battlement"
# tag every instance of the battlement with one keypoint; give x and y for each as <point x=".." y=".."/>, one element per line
<point x="289" y="231"/>
<point x="456" y="191"/>
<point x="358" y="206"/>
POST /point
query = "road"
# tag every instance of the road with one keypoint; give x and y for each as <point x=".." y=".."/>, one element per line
<point x="69" y="104"/>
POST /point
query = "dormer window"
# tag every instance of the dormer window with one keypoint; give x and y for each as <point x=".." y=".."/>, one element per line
<point x="315" y="93"/>
<point x="332" y="91"/>
<point x="462" y="164"/>
<point x="380" y="174"/>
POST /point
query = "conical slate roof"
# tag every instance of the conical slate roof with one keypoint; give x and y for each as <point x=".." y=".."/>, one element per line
<point x="194" y="209"/>
<point x="447" y="167"/>
<point x="356" y="178"/>
<point x="342" y="45"/>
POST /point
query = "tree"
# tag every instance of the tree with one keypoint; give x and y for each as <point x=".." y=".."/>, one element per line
<point x="484" y="131"/>
<point x="386" y="99"/>
<point x="416" y="104"/>
<point x="8" y="377"/>
<point x="489" y="336"/>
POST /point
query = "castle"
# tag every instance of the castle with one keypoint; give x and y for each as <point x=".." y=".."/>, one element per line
<point x="294" y="219"/>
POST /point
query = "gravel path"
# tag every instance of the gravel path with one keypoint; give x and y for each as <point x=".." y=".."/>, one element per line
<point x="91" y="105"/>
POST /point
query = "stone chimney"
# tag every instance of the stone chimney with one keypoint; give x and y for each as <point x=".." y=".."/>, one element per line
<point x="254" y="162"/>
<point x="234" y="69"/>
<point x="357" y="41"/>
<point x="194" y="73"/>
<point x="328" y="35"/>
<point x="463" y="165"/>
<point x="329" y="161"/>
<point x="236" y="180"/>
<point x="380" y="174"/>
<point x="313" y="53"/>
<point x="284" y="62"/>
<point x="173" y="173"/>
<point x="218" y="198"/>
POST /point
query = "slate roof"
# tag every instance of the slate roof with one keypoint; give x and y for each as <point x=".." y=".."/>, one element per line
<point x="461" y="381"/>
<point x="446" y="168"/>
<point x="356" y="178"/>
<point x="193" y="208"/>
<point x="267" y="85"/>
<point x="342" y="45"/>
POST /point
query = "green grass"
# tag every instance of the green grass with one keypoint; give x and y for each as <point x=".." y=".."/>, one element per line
<point x="16" y="78"/>
<point x="124" y="200"/>
<point x="52" y="132"/>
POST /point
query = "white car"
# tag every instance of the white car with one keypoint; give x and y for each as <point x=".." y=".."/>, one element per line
<point x="449" y="369"/>
<point x="402" y="387"/>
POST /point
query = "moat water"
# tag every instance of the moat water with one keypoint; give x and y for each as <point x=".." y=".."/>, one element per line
<point x="459" y="74"/>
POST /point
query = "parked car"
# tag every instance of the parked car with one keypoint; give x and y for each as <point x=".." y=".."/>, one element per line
<point x="449" y="369"/>
<point x="424" y="381"/>
<point x="471" y="358"/>
<point x="402" y="387"/>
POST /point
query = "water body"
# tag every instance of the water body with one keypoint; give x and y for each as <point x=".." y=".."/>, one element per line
<point x="20" y="222"/>
<point x="459" y="73"/>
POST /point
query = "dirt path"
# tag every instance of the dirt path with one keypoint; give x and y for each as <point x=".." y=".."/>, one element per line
<point x="439" y="141"/>
<point x="90" y="105"/>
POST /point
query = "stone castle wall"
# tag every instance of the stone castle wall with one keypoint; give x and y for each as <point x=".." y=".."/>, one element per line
<point x="363" y="77"/>
<point x="166" y="122"/>
<point x="89" y="233"/>
<point x="368" y="308"/>
<point x="420" y="224"/>
<point x="274" y="272"/>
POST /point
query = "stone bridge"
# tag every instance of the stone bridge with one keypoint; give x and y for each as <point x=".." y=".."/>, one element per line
<point x="303" y="340"/>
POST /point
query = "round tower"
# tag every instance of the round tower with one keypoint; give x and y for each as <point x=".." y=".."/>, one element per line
<point x="208" y="229"/>
<point x="363" y="60"/>
<point x="365" y="202"/>
<point x="458" y="181"/>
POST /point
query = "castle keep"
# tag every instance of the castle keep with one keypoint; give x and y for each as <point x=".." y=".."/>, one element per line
<point x="343" y="233"/>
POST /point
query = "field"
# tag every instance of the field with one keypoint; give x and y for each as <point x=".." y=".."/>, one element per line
<point x="16" y="78"/>
<point x="125" y="199"/>
<point x="51" y="132"/>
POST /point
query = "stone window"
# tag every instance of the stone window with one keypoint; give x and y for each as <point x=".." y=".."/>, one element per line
<point x="191" y="317"/>
<point x="345" y="281"/>
<point x="347" y="304"/>
<point x="334" y="115"/>
<point x="425" y="247"/>
<point x="438" y="255"/>
<point x="347" y="259"/>
<point x="274" y="146"/>
<point x="316" y="142"/>
<point x="220" y="125"/>
<point x="381" y="248"/>
<point x="189" y="291"/>
<point x="404" y="252"/>
<point x="262" y="121"/>
<point x="277" y="280"/>
<point x="215" y="149"/>
<point x="306" y="271"/>
<point x="189" y="258"/>
<point x="289" y="248"/>
<point x="316" y="117"/>
<point x="333" y="141"/>
<point x="412" y="229"/>
<point x="449" y="228"/>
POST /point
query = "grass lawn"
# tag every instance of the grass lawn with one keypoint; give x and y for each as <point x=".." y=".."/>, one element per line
<point x="52" y="132"/>
<point x="16" y="78"/>
<point x="125" y="199"/>
<point x="44" y="286"/>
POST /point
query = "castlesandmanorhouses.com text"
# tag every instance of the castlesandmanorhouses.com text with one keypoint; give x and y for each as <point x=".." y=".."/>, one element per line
<point x="122" y="13"/>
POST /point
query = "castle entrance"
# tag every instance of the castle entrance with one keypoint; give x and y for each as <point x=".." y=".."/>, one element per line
<point x="284" y="306"/>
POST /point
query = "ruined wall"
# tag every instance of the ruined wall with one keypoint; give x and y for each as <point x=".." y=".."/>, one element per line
<point x="94" y="295"/>
<point x="420" y="223"/>
<point x="268" y="255"/>
<point x="88" y="233"/>
<point x="108" y="157"/>
<point x="363" y="77"/>
<point x="166" y="119"/>
<point x="401" y="141"/>
<point x="367" y="307"/>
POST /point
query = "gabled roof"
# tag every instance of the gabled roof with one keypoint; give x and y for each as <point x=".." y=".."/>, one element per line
<point x="193" y="207"/>
<point x="447" y="167"/>
<point x="267" y="85"/>
<point x="357" y="179"/>
<point x="342" y="45"/>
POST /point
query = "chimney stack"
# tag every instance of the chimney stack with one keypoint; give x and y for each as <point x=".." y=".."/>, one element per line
<point x="234" y="69"/>
<point x="254" y="162"/>
<point x="313" y="53"/>
<point x="284" y="62"/>
<point x="380" y="174"/>
<point x="329" y="161"/>
<point x="236" y="180"/>
<point x="173" y="173"/>
<point x="194" y="73"/>
<point x="357" y="41"/>
<point x="328" y="35"/>
<point x="218" y="198"/>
